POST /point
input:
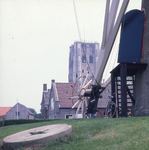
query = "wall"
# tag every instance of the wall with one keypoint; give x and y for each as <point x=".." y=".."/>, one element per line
<point x="45" y="103"/>
<point x="53" y="105"/>
<point x="11" y="114"/>
<point x="64" y="111"/>
<point x="71" y="53"/>
<point x="30" y="117"/>
<point x="141" y="84"/>
<point x="75" y="59"/>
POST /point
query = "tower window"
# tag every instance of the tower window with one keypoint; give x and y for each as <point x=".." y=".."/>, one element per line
<point x="93" y="51"/>
<point x="90" y="59"/>
<point x="83" y="59"/>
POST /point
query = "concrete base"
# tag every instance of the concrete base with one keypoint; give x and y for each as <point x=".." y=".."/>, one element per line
<point x="34" y="136"/>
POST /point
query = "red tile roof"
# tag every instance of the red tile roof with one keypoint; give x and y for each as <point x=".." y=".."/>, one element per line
<point x="64" y="92"/>
<point x="4" y="110"/>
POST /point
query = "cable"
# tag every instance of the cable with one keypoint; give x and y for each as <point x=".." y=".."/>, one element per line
<point x="81" y="41"/>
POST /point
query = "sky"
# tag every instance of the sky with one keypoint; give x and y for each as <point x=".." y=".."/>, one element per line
<point x="35" y="36"/>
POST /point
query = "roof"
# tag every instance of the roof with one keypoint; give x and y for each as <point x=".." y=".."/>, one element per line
<point x="26" y="109"/>
<point x="64" y="92"/>
<point x="132" y="68"/>
<point x="4" y="110"/>
<point x="130" y="46"/>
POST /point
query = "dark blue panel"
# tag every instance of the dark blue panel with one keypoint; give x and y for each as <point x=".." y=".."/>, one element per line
<point x="131" y="37"/>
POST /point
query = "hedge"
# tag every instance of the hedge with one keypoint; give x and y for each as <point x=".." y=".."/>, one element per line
<point x="22" y="121"/>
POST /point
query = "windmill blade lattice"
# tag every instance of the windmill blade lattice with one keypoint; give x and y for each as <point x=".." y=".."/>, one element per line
<point x="82" y="85"/>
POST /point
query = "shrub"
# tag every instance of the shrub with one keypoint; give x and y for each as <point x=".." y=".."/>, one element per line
<point x="21" y="121"/>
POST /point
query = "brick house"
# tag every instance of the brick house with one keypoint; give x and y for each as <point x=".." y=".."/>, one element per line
<point x="19" y="111"/>
<point x="3" y="112"/>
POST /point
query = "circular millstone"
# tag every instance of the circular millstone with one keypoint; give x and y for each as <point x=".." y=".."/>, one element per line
<point x="38" y="135"/>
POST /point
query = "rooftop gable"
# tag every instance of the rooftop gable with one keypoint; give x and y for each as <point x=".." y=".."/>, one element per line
<point x="25" y="108"/>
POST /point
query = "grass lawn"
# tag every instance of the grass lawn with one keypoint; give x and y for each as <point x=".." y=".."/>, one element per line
<point x="93" y="134"/>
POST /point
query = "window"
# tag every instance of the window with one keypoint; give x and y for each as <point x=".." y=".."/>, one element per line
<point x="93" y="51"/>
<point x="68" y="116"/>
<point x="84" y="49"/>
<point x="18" y="113"/>
<point x="83" y="59"/>
<point x="90" y="59"/>
<point x="52" y="103"/>
<point x="87" y="68"/>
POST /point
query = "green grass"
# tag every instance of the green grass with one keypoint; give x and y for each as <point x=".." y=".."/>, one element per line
<point x="93" y="134"/>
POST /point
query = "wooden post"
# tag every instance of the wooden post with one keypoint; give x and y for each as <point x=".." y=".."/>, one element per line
<point x="3" y="120"/>
<point x="113" y="89"/>
<point x="123" y="75"/>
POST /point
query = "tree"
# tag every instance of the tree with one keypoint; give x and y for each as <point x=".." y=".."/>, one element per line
<point x="38" y="115"/>
<point x="33" y="111"/>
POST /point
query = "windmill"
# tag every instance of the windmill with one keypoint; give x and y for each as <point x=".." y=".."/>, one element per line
<point x="111" y="26"/>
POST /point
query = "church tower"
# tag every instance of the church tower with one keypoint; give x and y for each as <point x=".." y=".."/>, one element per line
<point x="82" y="57"/>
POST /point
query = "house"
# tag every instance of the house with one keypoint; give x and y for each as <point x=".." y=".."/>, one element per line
<point x="3" y="112"/>
<point x="57" y="105"/>
<point x="19" y="111"/>
<point x="59" y="102"/>
<point x="102" y="102"/>
<point x="45" y="101"/>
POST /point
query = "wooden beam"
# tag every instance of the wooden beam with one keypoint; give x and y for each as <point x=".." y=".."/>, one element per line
<point x="123" y="75"/>
<point x="104" y="53"/>
<point x="113" y="89"/>
<point x="105" y="24"/>
<point x="112" y="17"/>
<point x="131" y="97"/>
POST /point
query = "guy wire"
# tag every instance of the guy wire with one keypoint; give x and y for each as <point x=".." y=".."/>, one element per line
<point x="81" y="41"/>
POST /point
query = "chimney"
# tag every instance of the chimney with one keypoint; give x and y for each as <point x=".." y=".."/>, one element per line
<point x="53" y="80"/>
<point x="44" y="87"/>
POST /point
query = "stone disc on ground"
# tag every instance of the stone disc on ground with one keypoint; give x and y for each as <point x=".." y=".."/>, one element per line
<point x="37" y="135"/>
